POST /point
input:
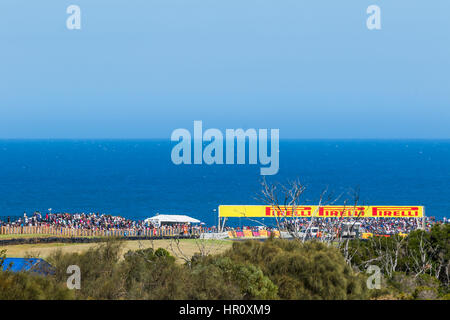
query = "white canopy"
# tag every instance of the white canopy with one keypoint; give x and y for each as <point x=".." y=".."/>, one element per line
<point x="171" y="218"/>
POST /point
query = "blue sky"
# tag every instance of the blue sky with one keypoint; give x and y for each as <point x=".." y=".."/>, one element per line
<point x="142" y="68"/>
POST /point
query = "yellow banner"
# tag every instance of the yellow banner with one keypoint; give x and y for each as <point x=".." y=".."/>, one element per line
<point x="322" y="211"/>
<point x="248" y="233"/>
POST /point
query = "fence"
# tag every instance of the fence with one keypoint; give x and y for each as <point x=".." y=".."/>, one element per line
<point x="69" y="232"/>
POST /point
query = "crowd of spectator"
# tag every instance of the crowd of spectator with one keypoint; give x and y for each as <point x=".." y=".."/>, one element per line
<point x="86" y="221"/>
<point x="385" y="226"/>
<point x="96" y="221"/>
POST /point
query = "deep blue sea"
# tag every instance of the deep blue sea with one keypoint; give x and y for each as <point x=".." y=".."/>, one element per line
<point x="137" y="179"/>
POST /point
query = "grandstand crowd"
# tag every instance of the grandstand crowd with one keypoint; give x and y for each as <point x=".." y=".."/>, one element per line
<point x="75" y="221"/>
<point x="93" y="221"/>
<point x="86" y="221"/>
<point x="387" y="226"/>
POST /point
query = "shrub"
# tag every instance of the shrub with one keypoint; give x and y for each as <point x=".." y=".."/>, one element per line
<point x="232" y="280"/>
<point x="308" y="270"/>
<point x="26" y="286"/>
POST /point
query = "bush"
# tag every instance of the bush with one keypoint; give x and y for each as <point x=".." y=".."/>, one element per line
<point x="308" y="270"/>
<point x="406" y="286"/>
<point x="222" y="278"/>
<point x="274" y="269"/>
<point x="98" y="266"/>
<point x="421" y="254"/>
<point x="152" y="274"/>
<point x="27" y="286"/>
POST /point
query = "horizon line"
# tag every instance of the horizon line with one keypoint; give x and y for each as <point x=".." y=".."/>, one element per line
<point x="168" y="139"/>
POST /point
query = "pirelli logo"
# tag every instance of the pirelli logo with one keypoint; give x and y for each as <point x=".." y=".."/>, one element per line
<point x="397" y="212"/>
<point x="289" y="211"/>
<point x="323" y="211"/>
<point x="342" y="211"/>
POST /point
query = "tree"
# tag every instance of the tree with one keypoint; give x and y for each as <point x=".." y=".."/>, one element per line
<point x="285" y="199"/>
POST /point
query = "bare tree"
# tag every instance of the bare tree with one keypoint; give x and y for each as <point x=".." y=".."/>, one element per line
<point x="284" y="200"/>
<point x="422" y="257"/>
<point x="176" y="249"/>
<point x="205" y="246"/>
<point x="389" y="255"/>
<point x="338" y="227"/>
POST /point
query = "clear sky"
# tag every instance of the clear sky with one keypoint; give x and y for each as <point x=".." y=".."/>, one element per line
<point x="142" y="68"/>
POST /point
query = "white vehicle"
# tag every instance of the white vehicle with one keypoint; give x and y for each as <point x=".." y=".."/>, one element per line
<point x="351" y="230"/>
<point x="309" y="233"/>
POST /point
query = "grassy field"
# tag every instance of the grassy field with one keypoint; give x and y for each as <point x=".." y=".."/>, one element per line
<point x="184" y="249"/>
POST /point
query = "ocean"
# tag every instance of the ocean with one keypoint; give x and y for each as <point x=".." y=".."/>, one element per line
<point x="137" y="179"/>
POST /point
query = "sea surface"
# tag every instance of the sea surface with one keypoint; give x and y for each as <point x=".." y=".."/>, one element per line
<point x="137" y="179"/>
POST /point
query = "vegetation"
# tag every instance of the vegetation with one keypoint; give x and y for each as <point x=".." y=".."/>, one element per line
<point x="249" y="270"/>
<point x="23" y="286"/>
<point x="188" y="247"/>
<point x="415" y="267"/>
<point x="308" y="270"/>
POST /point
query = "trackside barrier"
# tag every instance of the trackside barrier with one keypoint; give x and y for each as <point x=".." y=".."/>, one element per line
<point x="214" y="235"/>
<point x="239" y="234"/>
<point x="252" y="234"/>
<point x="248" y="233"/>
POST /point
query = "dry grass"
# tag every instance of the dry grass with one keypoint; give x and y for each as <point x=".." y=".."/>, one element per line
<point x="184" y="249"/>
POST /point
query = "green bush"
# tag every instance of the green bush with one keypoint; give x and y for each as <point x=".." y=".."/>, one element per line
<point x="222" y="278"/>
<point x="421" y="254"/>
<point x="308" y="270"/>
<point x="27" y="286"/>
<point x="273" y="269"/>
<point x="98" y="266"/>
<point x="152" y="274"/>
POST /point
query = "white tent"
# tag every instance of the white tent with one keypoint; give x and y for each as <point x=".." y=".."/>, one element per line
<point x="170" y="218"/>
